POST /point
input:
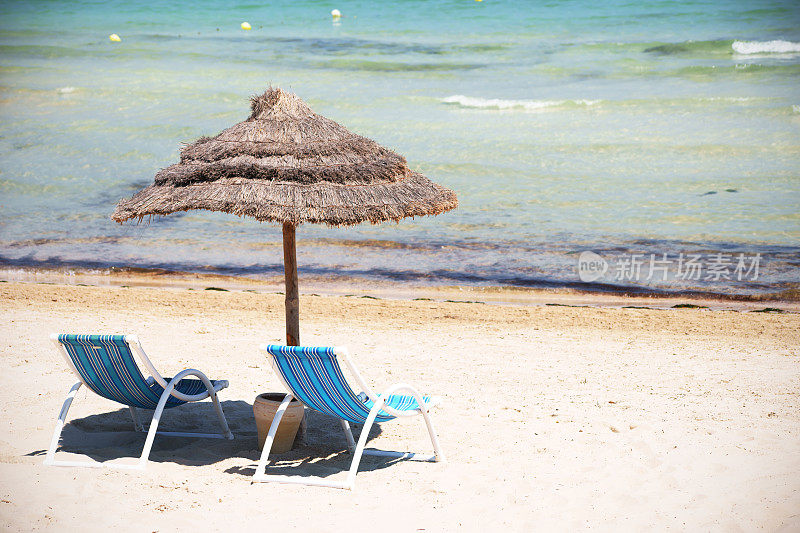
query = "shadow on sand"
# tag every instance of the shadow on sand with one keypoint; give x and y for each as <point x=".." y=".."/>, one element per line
<point x="110" y="436"/>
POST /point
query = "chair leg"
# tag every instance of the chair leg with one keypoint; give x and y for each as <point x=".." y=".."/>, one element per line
<point x="50" y="457"/>
<point x="260" y="476"/>
<point x="221" y="416"/>
<point x="135" y="416"/>
<point x="362" y="441"/>
<point x="62" y="416"/>
<point x="151" y="433"/>
<point x="226" y="432"/>
<point x="162" y="402"/>
<point x="348" y="434"/>
<point x="273" y="429"/>
<point x="439" y="456"/>
<point x="424" y="409"/>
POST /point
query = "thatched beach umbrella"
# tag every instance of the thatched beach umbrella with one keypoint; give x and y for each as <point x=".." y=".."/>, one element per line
<point x="287" y="164"/>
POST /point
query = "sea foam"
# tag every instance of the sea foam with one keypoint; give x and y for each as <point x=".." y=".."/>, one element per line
<point x="499" y="103"/>
<point x="765" y="47"/>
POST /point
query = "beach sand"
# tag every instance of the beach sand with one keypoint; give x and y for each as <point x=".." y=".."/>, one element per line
<point x="554" y="417"/>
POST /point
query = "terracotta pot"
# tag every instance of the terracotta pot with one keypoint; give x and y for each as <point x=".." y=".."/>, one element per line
<point x="264" y="408"/>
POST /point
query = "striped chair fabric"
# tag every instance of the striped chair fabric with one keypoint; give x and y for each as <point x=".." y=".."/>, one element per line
<point x="107" y="366"/>
<point x="315" y="378"/>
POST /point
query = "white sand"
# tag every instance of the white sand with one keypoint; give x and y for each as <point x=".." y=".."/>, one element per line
<point x="556" y="418"/>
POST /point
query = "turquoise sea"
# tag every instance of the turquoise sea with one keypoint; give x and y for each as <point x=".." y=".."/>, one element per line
<point x="628" y="129"/>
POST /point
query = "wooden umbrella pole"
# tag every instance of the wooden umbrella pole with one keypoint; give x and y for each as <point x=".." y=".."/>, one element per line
<point x="292" y="306"/>
<point x="292" y="295"/>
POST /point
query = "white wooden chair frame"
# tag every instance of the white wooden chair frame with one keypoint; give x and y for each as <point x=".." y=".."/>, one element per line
<point x="357" y="449"/>
<point x="169" y="390"/>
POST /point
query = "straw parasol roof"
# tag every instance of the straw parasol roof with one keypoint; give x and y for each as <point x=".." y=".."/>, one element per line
<point x="287" y="164"/>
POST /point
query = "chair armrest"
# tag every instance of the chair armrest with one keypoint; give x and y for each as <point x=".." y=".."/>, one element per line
<point x="400" y="387"/>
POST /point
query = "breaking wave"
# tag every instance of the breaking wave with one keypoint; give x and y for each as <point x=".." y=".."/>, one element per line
<point x="499" y="103"/>
<point x="765" y="47"/>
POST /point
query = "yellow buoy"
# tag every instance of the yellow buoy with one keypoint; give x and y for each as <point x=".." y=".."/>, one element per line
<point x="114" y="38"/>
<point x="246" y="26"/>
<point x="335" y="13"/>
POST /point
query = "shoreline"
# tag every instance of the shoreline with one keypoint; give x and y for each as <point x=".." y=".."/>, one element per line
<point x="371" y="289"/>
<point x="401" y="281"/>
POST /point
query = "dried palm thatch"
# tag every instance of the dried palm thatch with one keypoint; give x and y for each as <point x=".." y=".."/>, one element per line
<point x="289" y="165"/>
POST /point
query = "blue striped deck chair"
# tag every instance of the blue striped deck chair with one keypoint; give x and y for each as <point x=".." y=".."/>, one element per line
<point x="106" y="365"/>
<point x="314" y="376"/>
